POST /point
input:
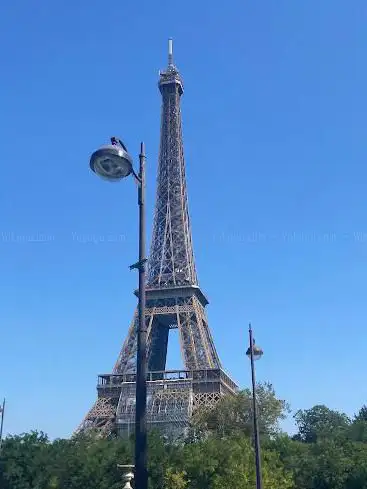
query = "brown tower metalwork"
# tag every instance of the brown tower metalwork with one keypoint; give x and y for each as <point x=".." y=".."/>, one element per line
<point x="174" y="300"/>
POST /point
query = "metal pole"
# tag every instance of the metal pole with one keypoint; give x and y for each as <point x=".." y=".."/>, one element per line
<point x="141" y="473"/>
<point x="254" y="408"/>
<point x="2" y="423"/>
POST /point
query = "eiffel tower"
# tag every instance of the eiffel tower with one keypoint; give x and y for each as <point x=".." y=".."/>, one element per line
<point x="173" y="300"/>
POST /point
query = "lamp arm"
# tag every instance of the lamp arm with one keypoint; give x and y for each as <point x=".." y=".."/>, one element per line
<point x="136" y="176"/>
<point x="117" y="142"/>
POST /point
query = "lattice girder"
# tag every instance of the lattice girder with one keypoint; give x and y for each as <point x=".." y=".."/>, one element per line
<point x="185" y="313"/>
<point x="171" y="259"/>
<point x="101" y="417"/>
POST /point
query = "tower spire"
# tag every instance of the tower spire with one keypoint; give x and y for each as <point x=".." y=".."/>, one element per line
<point x="170" y="52"/>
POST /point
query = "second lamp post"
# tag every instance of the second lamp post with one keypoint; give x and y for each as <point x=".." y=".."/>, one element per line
<point x="112" y="162"/>
<point x="255" y="353"/>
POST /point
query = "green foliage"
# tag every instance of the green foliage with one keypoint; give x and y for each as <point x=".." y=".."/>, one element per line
<point x="233" y="415"/>
<point x="328" y="452"/>
<point x="362" y="414"/>
<point x="28" y="458"/>
<point x="223" y="462"/>
<point x="320" y="422"/>
<point x="358" y="431"/>
<point x="175" y="480"/>
<point x="32" y="462"/>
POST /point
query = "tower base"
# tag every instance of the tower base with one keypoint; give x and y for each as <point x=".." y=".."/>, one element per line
<point x="173" y="396"/>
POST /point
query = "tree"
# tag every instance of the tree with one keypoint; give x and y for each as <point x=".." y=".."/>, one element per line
<point x="224" y="463"/>
<point x="325" y="464"/>
<point x="233" y="415"/>
<point x="30" y="461"/>
<point x="320" y="422"/>
<point x="329" y="452"/>
<point x="362" y="414"/>
<point x="27" y="461"/>
<point x="175" y="480"/>
<point x="358" y="431"/>
<point x="357" y="473"/>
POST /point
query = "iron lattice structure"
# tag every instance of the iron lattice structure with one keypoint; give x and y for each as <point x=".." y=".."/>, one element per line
<point x="174" y="300"/>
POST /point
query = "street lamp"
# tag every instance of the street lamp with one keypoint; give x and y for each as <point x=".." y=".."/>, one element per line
<point x="2" y="413"/>
<point x="255" y="353"/>
<point x="112" y="162"/>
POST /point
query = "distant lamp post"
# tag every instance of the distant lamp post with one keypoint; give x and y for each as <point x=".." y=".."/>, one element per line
<point x="128" y="475"/>
<point x="2" y="414"/>
<point x="112" y="162"/>
<point x="255" y="353"/>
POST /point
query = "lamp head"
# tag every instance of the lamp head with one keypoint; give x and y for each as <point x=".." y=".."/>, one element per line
<point x="112" y="161"/>
<point x="257" y="352"/>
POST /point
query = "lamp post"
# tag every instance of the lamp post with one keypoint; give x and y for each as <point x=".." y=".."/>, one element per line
<point x="113" y="162"/>
<point x="255" y="353"/>
<point x="2" y="413"/>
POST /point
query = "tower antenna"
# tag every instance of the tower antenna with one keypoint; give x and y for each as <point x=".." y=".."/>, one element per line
<point x="170" y="52"/>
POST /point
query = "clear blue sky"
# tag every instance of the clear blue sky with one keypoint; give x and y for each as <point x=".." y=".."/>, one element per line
<point x="275" y="127"/>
